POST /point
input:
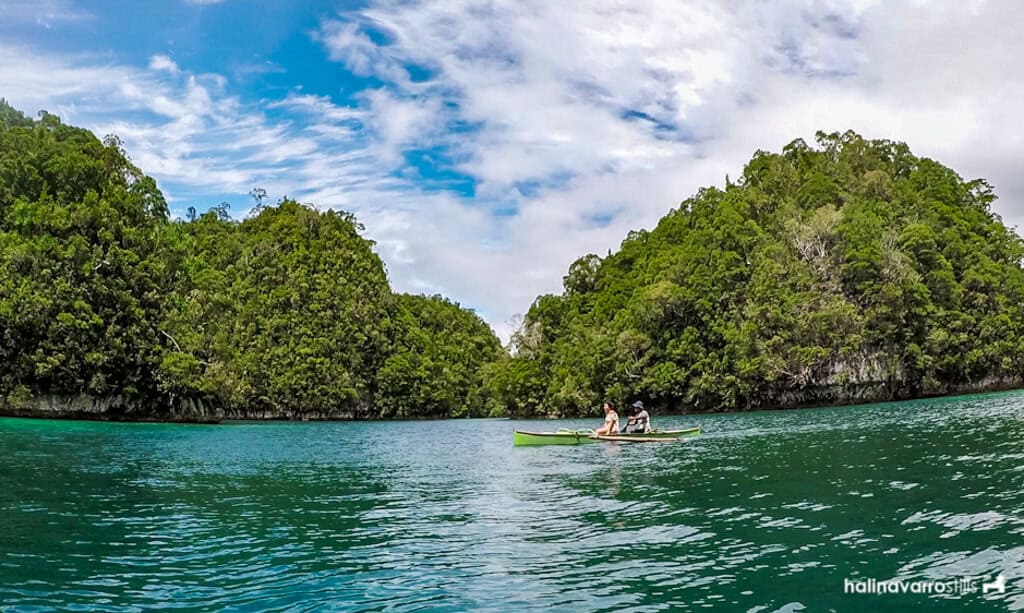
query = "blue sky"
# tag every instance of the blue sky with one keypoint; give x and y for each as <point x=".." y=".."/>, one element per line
<point x="487" y="144"/>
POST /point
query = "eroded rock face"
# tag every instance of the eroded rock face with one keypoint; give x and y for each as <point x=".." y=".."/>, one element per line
<point x="187" y="410"/>
<point x="868" y="378"/>
<point x="856" y="380"/>
<point x="110" y="408"/>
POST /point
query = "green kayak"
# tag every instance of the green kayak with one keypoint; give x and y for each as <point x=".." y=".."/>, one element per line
<point x="578" y="437"/>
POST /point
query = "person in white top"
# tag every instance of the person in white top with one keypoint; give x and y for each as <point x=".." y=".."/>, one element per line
<point x="640" y="420"/>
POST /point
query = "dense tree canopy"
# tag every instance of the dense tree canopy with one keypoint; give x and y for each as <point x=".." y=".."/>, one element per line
<point x="435" y="366"/>
<point x="848" y="271"/>
<point x="287" y="313"/>
<point x="82" y="276"/>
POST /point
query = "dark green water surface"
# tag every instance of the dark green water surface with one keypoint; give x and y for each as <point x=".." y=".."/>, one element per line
<point x="766" y="511"/>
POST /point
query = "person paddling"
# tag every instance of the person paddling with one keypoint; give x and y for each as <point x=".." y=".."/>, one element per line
<point x="611" y="421"/>
<point x="640" y="420"/>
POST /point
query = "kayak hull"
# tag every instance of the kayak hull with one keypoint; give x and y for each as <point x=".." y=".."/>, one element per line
<point x="522" y="438"/>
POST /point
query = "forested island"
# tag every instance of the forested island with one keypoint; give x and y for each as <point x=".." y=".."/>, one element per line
<point x="849" y="271"/>
<point x="110" y="308"/>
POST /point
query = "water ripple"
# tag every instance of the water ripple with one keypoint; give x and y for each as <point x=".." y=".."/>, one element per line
<point x="767" y="511"/>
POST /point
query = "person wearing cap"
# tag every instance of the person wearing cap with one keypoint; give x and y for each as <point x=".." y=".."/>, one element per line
<point x="639" y="420"/>
<point x="611" y="421"/>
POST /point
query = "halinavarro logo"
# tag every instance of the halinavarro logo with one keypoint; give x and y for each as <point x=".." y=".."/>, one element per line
<point x="961" y="585"/>
<point x="999" y="585"/>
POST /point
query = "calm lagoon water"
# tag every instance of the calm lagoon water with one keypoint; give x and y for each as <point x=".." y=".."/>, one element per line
<point x="766" y="511"/>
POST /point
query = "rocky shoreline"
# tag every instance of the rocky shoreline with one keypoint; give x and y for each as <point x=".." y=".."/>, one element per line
<point x="178" y="410"/>
<point x="122" y="409"/>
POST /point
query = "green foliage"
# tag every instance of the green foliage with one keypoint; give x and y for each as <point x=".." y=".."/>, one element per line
<point x="852" y="263"/>
<point x="285" y="314"/>
<point x="288" y="312"/>
<point x="81" y="272"/>
<point x="434" y="367"/>
<point x="11" y="117"/>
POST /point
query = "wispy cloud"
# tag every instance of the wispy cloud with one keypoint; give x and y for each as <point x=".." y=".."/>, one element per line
<point x="45" y="13"/>
<point x="244" y="69"/>
<point x="184" y="128"/>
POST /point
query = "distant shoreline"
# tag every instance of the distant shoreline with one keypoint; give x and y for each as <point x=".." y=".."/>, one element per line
<point x="57" y="415"/>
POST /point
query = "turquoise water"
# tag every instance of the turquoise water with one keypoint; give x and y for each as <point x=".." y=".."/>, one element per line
<point x="766" y="511"/>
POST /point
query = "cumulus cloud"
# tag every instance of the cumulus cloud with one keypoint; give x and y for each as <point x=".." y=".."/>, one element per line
<point x="163" y="62"/>
<point x="572" y="123"/>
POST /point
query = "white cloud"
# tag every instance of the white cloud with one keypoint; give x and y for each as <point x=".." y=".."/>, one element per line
<point x="163" y="62"/>
<point x="576" y="121"/>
